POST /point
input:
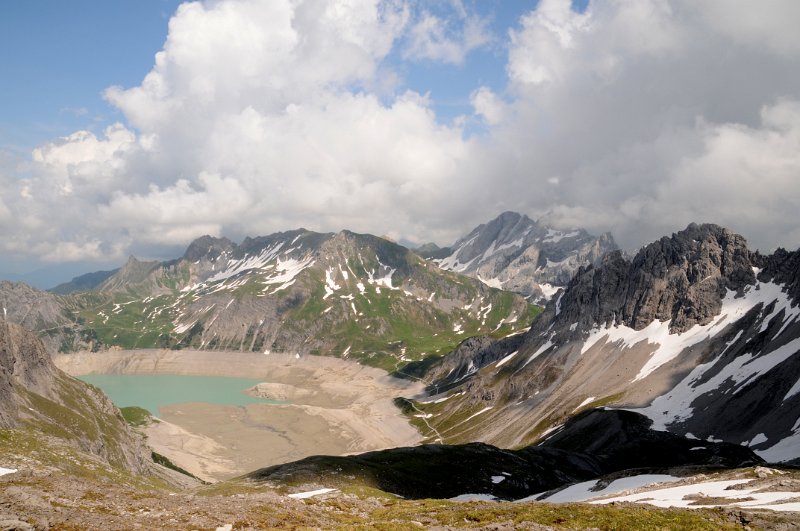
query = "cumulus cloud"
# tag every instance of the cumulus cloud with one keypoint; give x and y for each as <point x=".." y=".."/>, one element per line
<point x="636" y="117"/>
<point x="488" y="105"/>
<point x="440" y="39"/>
<point x="633" y="107"/>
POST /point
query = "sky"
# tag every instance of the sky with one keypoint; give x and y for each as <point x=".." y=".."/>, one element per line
<point x="135" y="126"/>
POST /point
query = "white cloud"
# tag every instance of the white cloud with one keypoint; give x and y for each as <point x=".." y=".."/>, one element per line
<point x="626" y="100"/>
<point x="488" y="105"/>
<point x="447" y="40"/>
<point x="635" y="117"/>
<point x="768" y="23"/>
<point x="83" y="160"/>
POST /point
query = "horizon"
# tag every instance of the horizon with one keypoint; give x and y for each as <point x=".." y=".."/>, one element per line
<point x="49" y="278"/>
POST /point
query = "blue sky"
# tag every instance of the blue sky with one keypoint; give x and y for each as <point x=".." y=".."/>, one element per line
<point x="65" y="54"/>
<point x="60" y="56"/>
<point x="413" y="119"/>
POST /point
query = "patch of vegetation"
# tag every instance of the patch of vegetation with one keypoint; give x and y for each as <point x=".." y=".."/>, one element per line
<point x="165" y="462"/>
<point x="136" y="416"/>
<point x="568" y="516"/>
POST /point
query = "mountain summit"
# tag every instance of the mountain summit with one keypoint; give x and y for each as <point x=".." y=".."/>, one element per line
<point x="515" y="253"/>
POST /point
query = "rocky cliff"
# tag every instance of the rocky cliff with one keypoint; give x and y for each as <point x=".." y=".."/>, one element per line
<point x="46" y="314"/>
<point x="37" y="397"/>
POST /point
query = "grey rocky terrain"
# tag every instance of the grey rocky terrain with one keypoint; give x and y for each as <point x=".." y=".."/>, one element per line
<point x="47" y="315"/>
<point x="518" y="254"/>
<point x="41" y="401"/>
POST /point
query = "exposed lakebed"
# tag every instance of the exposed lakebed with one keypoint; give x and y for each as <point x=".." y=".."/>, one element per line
<point x="153" y="391"/>
<point x="295" y="406"/>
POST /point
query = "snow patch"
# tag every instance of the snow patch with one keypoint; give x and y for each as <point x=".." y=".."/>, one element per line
<point x="584" y="491"/>
<point x="310" y="494"/>
<point x="484" y="410"/>
<point x="555" y="236"/>
<point x="589" y="400"/>
<point x="473" y="497"/>
<point x="492" y="282"/>
<point x="685" y="495"/>
<point x="506" y="359"/>
<point x="541" y="350"/>
<point x="548" y="290"/>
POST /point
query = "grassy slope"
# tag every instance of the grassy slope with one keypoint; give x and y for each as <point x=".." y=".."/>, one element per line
<point x="78" y="492"/>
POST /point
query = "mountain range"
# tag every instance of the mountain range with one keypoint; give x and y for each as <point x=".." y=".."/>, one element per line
<point x="515" y="253"/>
<point x="344" y="294"/>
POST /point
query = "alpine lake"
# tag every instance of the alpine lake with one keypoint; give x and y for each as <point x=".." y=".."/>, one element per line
<point x="153" y="391"/>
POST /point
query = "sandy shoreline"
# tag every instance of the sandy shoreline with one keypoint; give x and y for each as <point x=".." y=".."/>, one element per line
<point x="337" y="407"/>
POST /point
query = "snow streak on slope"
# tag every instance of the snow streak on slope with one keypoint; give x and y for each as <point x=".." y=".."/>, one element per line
<point x="723" y="376"/>
<point x="234" y="267"/>
<point x="676" y="405"/>
<point x="286" y="271"/>
<point x="668" y="346"/>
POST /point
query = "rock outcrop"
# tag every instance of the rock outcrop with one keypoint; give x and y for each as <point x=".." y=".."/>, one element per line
<point x="681" y="279"/>
<point x="47" y="315"/>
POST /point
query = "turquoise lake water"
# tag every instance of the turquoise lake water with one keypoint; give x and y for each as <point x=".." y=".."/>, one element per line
<point x="153" y="391"/>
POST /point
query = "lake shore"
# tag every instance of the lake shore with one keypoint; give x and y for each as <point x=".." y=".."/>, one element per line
<point x="337" y="407"/>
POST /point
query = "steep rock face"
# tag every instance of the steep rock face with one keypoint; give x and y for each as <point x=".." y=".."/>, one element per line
<point x="519" y="254"/>
<point x="133" y="273"/>
<point x="681" y="279"/>
<point x="37" y="396"/>
<point x="699" y="333"/>
<point x="45" y="314"/>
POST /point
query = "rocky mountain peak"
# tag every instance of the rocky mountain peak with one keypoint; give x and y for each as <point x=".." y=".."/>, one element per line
<point x="680" y="278"/>
<point x="208" y="247"/>
<point x="515" y="253"/>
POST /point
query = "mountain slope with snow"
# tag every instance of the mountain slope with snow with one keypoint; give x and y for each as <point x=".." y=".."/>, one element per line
<point x="697" y="332"/>
<point x="518" y="254"/>
<point x="345" y="294"/>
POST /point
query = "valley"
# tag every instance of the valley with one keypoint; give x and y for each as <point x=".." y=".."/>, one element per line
<point x="345" y="369"/>
<point x="321" y="405"/>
